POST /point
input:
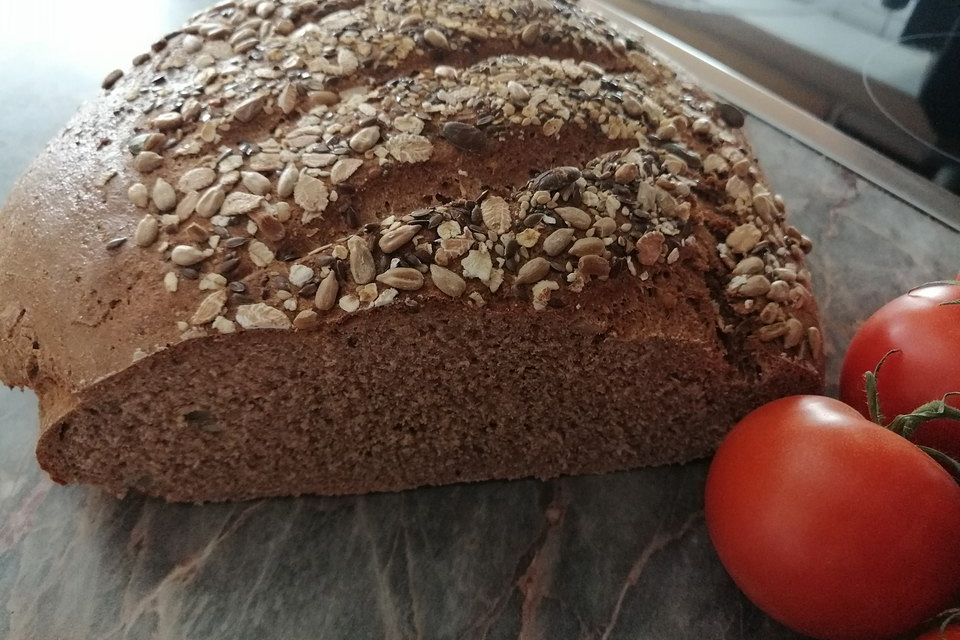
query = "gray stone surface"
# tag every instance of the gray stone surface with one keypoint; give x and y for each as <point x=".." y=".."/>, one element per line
<point x="621" y="556"/>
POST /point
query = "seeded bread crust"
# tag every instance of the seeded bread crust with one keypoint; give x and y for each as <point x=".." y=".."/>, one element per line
<point x="335" y="247"/>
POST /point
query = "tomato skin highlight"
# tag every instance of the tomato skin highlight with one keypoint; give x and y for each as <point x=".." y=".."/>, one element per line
<point x="834" y="526"/>
<point x="927" y="366"/>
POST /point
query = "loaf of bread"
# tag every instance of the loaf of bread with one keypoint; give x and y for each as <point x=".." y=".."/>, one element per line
<point x="327" y="247"/>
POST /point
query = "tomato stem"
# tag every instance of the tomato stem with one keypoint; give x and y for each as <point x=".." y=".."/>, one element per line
<point x="873" y="392"/>
<point x="905" y="425"/>
<point x="948" y="616"/>
<point x="948" y="463"/>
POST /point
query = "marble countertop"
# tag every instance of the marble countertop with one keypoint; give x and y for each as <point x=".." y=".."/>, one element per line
<point x="601" y="557"/>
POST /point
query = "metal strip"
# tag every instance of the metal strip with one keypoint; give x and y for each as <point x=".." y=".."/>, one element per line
<point x="798" y="124"/>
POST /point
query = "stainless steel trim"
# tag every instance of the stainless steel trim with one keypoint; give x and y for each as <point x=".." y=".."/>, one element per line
<point x="798" y="124"/>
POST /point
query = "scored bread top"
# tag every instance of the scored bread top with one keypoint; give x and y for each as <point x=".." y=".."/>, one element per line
<point x="279" y="165"/>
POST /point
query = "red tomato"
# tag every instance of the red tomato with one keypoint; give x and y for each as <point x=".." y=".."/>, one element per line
<point x="831" y="524"/>
<point x="927" y="333"/>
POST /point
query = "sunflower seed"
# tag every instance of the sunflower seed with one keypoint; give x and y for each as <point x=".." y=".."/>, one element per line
<point x="163" y="195"/>
<point x="191" y="43"/>
<point x="771" y="331"/>
<point x="147" y="161"/>
<point x="529" y="34"/>
<point x="435" y="39"/>
<point x="187" y="205"/>
<point x="626" y="173"/>
<point x="210" y="202"/>
<point x="256" y="183"/>
<point x="287" y="181"/>
<point x="138" y="195"/>
<point x="779" y="291"/>
<point x="533" y="271"/>
<point x="326" y="98"/>
<point x="164" y="121"/>
<point x="147" y="231"/>
<point x="701" y="126"/>
<point x="594" y="266"/>
<point x="185" y="255"/>
<point x="306" y="319"/>
<point x="447" y="281"/>
<point x="587" y="247"/>
<point x="145" y="142"/>
<point x="364" y="139"/>
<point x="749" y="287"/>
<point x="744" y="238"/>
<point x="576" y="218"/>
<point x="327" y="292"/>
<point x="558" y="241"/>
<point x="111" y="79"/>
<point x="632" y="107"/>
<point x="517" y="93"/>
<point x="748" y="266"/>
<point x="605" y="227"/>
<point x="794" y="334"/>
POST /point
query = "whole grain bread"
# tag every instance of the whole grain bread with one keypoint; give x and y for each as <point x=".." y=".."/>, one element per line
<point x="345" y="246"/>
